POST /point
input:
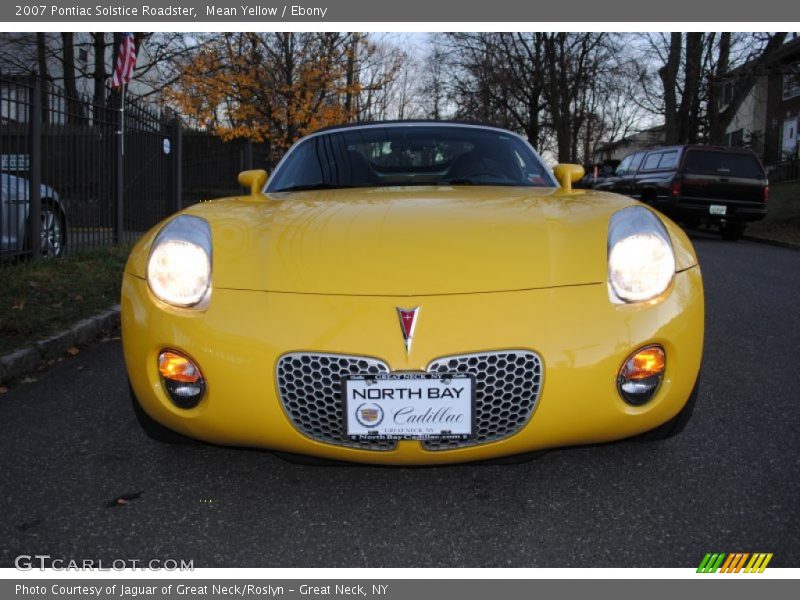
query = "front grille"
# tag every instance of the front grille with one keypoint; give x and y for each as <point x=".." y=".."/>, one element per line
<point x="507" y="386"/>
<point x="311" y="392"/>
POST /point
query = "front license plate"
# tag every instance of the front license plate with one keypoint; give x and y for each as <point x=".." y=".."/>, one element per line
<point x="717" y="209"/>
<point x="409" y="406"/>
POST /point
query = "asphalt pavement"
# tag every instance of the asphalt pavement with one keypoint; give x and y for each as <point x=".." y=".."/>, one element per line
<point x="70" y="447"/>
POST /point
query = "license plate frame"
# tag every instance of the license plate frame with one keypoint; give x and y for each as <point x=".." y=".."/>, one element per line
<point x="412" y="379"/>
<point x="718" y="210"/>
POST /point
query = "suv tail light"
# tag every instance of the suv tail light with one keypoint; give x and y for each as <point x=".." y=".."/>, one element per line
<point x="676" y="188"/>
<point x="766" y="194"/>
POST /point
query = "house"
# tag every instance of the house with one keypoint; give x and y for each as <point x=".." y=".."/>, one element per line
<point x="747" y="129"/>
<point x="783" y="106"/>
<point x="616" y="151"/>
<point x="768" y="118"/>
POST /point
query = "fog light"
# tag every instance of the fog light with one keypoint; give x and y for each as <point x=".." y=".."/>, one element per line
<point x="182" y="379"/>
<point x="641" y="375"/>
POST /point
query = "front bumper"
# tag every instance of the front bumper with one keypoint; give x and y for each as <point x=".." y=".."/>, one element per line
<point x="581" y="337"/>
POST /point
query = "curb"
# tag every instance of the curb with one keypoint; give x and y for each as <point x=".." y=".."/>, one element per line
<point x="30" y="358"/>
<point x="770" y="242"/>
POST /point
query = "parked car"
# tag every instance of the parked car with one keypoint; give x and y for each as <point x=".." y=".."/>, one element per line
<point x="413" y="293"/>
<point x="597" y="174"/>
<point x="695" y="184"/>
<point x="14" y="213"/>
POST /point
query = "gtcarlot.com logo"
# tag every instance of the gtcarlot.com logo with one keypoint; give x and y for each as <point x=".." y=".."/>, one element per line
<point x="738" y="562"/>
<point x="29" y="562"/>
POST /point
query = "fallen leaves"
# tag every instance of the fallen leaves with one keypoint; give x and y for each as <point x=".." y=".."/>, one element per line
<point x="28" y="379"/>
<point x="123" y="499"/>
<point x="73" y="351"/>
<point x="3" y="390"/>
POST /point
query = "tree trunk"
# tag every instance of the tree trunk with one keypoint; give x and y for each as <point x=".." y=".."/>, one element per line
<point x="350" y="76"/>
<point x="99" y="75"/>
<point x="557" y="99"/>
<point x="688" y="119"/>
<point x="75" y="113"/>
<point x="44" y="76"/>
<point x="716" y="133"/>
<point x="669" y="76"/>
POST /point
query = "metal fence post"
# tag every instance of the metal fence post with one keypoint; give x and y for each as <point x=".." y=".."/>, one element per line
<point x="177" y="164"/>
<point x="35" y="172"/>
<point x="247" y="155"/>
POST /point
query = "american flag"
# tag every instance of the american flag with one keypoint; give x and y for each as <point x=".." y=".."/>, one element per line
<point x="126" y="61"/>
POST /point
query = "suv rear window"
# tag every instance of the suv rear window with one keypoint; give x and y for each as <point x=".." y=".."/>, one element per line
<point x="723" y="163"/>
<point x="651" y="162"/>
<point x="668" y="160"/>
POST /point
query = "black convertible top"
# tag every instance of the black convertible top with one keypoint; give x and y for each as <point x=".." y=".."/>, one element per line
<point x="406" y="122"/>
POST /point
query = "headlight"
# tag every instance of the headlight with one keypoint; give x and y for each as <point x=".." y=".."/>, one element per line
<point x="179" y="266"/>
<point x="641" y="262"/>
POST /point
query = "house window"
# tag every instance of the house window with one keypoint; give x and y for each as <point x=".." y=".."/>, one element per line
<point x="14" y="103"/>
<point x="83" y="55"/>
<point x="728" y="91"/>
<point x="791" y="83"/>
<point x="735" y="138"/>
<point x="789" y="139"/>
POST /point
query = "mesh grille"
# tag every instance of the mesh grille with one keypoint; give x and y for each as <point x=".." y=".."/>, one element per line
<point x="311" y="392"/>
<point x="507" y="388"/>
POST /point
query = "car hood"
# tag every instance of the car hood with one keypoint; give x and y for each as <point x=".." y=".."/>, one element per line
<point x="408" y="241"/>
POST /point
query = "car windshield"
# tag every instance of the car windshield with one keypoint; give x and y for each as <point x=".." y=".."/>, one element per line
<point x="710" y="162"/>
<point x="402" y="155"/>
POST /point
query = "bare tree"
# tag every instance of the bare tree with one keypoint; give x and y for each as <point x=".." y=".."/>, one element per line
<point x="693" y="69"/>
<point x="433" y="90"/>
<point x="564" y="91"/>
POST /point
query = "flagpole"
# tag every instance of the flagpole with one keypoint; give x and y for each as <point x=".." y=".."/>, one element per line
<point x="122" y="118"/>
<point x="123" y="71"/>
<point x="119" y="220"/>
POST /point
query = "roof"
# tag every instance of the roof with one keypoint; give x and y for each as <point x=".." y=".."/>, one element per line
<point x="788" y="50"/>
<point x="637" y="136"/>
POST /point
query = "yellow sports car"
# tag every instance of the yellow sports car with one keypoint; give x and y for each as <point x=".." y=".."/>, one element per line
<point x="413" y="293"/>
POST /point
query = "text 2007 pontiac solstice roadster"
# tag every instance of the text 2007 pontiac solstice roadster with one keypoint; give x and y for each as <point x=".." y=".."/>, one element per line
<point x="413" y="293"/>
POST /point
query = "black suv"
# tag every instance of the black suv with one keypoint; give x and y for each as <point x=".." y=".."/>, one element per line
<point x="696" y="184"/>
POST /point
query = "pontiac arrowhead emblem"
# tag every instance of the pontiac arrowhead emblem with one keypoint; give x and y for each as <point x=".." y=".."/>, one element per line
<point x="408" y="322"/>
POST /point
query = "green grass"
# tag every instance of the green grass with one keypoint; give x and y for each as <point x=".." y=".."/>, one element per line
<point x="782" y="222"/>
<point x="41" y="298"/>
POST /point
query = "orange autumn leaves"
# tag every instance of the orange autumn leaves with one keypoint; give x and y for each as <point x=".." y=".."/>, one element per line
<point x="271" y="87"/>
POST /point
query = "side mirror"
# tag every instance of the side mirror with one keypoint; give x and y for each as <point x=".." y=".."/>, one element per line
<point x="254" y="180"/>
<point x="568" y="174"/>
